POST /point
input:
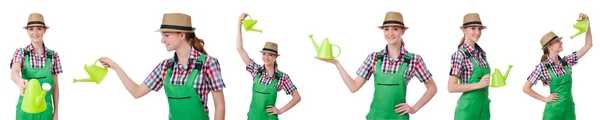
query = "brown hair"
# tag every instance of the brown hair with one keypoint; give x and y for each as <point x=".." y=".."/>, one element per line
<point x="197" y="43"/>
<point x="462" y="41"/>
<point x="275" y="63"/>
<point x="545" y="56"/>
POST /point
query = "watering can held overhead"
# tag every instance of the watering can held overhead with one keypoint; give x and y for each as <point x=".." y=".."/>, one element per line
<point x="325" y="51"/>
<point x="499" y="80"/>
<point x="97" y="73"/>
<point x="249" y="23"/>
<point x="34" y="97"/>
<point x="582" y="26"/>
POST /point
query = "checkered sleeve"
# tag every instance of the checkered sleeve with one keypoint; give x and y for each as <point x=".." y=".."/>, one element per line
<point x="18" y="57"/>
<point x="212" y="72"/>
<point x="571" y="59"/>
<point x="420" y="69"/>
<point x="56" y="65"/>
<point x="537" y="74"/>
<point x="456" y="63"/>
<point x="286" y="84"/>
<point x="253" y="68"/>
<point x="367" y="68"/>
<point x="155" y="80"/>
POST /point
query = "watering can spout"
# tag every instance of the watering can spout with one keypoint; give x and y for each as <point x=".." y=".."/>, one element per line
<point x="314" y="43"/>
<point x="581" y="26"/>
<point x="40" y="98"/>
<point x="505" y="76"/>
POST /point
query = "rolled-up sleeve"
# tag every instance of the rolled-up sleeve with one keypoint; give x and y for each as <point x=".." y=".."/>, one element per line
<point x="155" y="81"/>
<point x="537" y="75"/>
<point x="367" y="68"/>
<point x="456" y="63"/>
<point x="287" y="85"/>
<point x="213" y="78"/>
<point x="17" y="57"/>
<point x="56" y="65"/>
<point x="420" y="70"/>
<point x="253" y="68"/>
<point x="571" y="59"/>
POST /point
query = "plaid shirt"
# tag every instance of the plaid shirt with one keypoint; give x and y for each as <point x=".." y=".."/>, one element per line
<point x="461" y="65"/>
<point x="209" y="78"/>
<point x="541" y="71"/>
<point x="284" y="82"/>
<point x="416" y="66"/>
<point x="37" y="60"/>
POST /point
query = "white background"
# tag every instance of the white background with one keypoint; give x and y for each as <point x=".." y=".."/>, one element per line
<point x="84" y="31"/>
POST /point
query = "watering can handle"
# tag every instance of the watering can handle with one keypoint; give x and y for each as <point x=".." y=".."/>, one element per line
<point x="339" y="50"/>
<point x="248" y="16"/>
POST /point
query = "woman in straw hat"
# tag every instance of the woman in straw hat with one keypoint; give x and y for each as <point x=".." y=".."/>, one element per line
<point x="555" y="72"/>
<point x="393" y="68"/>
<point x="268" y="80"/>
<point x="36" y="61"/>
<point x="469" y="73"/>
<point x="188" y="77"/>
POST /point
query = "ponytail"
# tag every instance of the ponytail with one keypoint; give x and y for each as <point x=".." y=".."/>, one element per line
<point x="401" y="43"/>
<point x="275" y="63"/>
<point x="197" y="43"/>
<point x="462" y="41"/>
<point x="545" y="56"/>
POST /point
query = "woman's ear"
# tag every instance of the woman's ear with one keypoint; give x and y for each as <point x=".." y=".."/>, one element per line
<point x="182" y="35"/>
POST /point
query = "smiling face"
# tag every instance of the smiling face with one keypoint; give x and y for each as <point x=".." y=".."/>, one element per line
<point x="269" y="58"/>
<point x="393" y="34"/>
<point x="36" y="34"/>
<point x="472" y="33"/>
<point x="172" y="40"/>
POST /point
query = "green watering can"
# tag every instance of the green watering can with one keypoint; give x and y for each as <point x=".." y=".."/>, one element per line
<point x="249" y="23"/>
<point x="97" y="73"/>
<point x="581" y="26"/>
<point x="33" y="100"/>
<point x="499" y="80"/>
<point x="324" y="51"/>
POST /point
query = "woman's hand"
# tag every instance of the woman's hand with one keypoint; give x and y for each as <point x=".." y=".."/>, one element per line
<point x="551" y="98"/>
<point x="333" y="61"/>
<point x="404" y="108"/>
<point x="108" y="63"/>
<point x="22" y="86"/>
<point x="485" y="81"/>
<point x="242" y="17"/>
<point x="273" y="110"/>
<point x="582" y="16"/>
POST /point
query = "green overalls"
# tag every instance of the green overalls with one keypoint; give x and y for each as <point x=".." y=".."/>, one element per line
<point x="564" y="107"/>
<point x="184" y="102"/>
<point x="43" y="75"/>
<point x="475" y="104"/>
<point x="390" y="90"/>
<point x="262" y="97"/>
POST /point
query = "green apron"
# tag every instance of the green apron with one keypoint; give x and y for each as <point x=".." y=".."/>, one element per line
<point x="184" y="102"/>
<point x="390" y="90"/>
<point x="564" y="107"/>
<point x="43" y="75"/>
<point x="475" y="104"/>
<point x="262" y="97"/>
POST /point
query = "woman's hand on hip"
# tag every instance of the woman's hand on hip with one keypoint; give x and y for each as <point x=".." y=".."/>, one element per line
<point x="404" y="108"/>
<point x="273" y="110"/>
<point x="108" y="63"/>
<point x="551" y="98"/>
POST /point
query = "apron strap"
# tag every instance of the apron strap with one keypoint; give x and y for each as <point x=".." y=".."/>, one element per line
<point x="406" y="60"/>
<point x="198" y="64"/>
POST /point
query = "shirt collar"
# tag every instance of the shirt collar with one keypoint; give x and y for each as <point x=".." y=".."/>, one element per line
<point x="472" y="49"/>
<point x="265" y="71"/>
<point x="551" y="62"/>
<point x="402" y="51"/>
<point x="193" y="56"/>
<point x="30" y="47"/>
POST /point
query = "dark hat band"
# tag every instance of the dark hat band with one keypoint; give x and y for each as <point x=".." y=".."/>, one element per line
<point x="472" y="22"/>
<point x="393" y="22"/>
<point x="270" y="50"/>
<point x="550" y="41"/>
<point x="36" y="22"/>
<point x="176" y="27"/>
